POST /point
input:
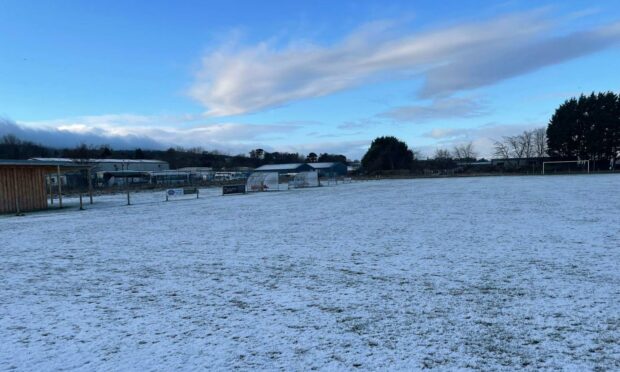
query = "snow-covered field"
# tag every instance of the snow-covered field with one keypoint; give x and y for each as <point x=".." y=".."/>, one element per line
<point x="481" y="273"/>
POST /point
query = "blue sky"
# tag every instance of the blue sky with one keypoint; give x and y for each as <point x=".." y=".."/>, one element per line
<point x="322" y="76"/>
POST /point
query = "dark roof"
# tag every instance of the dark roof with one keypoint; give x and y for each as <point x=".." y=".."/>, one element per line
<point x="474" y="163"/>
<point x="42" y="164"/>
<point x="513" y="159"/>
<point x="290" y="166"/>
<point x="326" y="165"/>
<point x="69" y="160"/>
<point x="280" y="167"/>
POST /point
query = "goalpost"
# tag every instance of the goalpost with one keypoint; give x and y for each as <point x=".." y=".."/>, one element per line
<point x="304" y="179"/>
<point x="578" y="162"/>
<point x="263" y="181"/>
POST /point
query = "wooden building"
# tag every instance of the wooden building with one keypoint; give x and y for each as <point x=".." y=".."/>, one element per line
<point x="23" y="186"/>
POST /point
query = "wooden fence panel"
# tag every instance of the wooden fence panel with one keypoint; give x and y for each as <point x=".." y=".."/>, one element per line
<point x="25" y="183"/>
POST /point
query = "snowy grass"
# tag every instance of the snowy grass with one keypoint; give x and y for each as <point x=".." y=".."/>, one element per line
<point x="480" y="273"/>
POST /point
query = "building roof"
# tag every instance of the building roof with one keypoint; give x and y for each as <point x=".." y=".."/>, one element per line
<point x="170" y="173"/>
<point x="46" y="164"/>
<point x="69" y="160"/>
<point x="474" y="163"/>
<point x="276" y="167"/>
<point x="126" y="173"/>
<point x="196" y="169"/>
<point x="532" y="158"/>
<point x="324" y="165"/>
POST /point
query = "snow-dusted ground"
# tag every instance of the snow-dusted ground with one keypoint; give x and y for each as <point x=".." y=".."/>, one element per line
<point x="484" y="273"/>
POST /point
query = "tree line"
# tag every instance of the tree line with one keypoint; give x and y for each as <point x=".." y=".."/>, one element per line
<point x="12" y="147"/>
<point x="391" y="155"/>
<point x="584" y="128"/>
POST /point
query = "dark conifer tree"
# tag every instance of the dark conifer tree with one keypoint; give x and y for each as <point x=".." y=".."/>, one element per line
<point x="387" y="153"/>
<point x="586" y="128"/>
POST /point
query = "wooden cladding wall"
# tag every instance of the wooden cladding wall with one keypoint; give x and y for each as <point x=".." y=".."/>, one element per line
<point x="27" y="184"/>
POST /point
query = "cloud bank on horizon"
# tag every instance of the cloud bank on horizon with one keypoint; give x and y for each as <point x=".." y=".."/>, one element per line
<point x="135" y="131"/>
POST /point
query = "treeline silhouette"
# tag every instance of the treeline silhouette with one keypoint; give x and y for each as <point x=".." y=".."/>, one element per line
<point x="12" y="147"/>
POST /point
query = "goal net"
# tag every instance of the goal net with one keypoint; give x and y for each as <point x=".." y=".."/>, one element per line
<point x="332" y="181"/>
<point x="304" y="179"/>
<point x="566" y="166"/>
<point x="262" y="181"/>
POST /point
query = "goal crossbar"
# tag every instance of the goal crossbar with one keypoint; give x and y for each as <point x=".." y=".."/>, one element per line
<point x="579" y="162"/>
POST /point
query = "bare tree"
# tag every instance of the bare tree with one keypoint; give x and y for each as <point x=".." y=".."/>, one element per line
<point x="502" y="150"/>
<point x="465" y="151"/>
<point x="442" y="154"/>
<point x="416" y="154"/>
<point x="514" y="146"/>
<point x="196" y="150"/>
<point x="540" y="142"/>
<point x="10" y="139"/>
<point x="529" y="144"/>
<point x="257" y="154"/>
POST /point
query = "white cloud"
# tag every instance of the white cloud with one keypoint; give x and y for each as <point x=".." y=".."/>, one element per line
<point x="241" y="80"/>
<point x="444" y="133"/>
<point x="71" y="133"/>
<point x="480" y="66"/>
<point x="359" y="124"/>
<point x="442" y="108"/>
<point x="130" y="131"/>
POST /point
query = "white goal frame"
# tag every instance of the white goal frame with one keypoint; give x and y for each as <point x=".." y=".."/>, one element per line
<point x="579" y="162"/>
<point x="260" y="181"/>
<point x="304" y="179"/>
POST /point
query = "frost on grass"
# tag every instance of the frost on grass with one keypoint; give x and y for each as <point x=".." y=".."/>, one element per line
<point x="478" y="273"/>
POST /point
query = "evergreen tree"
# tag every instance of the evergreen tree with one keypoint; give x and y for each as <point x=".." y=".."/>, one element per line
<point x="105" y="152"/>
<point x="387" y="153"/>
<point x="586" y="128"/>
<point x="312" y="157"/>
<point x="332" y="158"/>
<point x="138" y="153"/>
